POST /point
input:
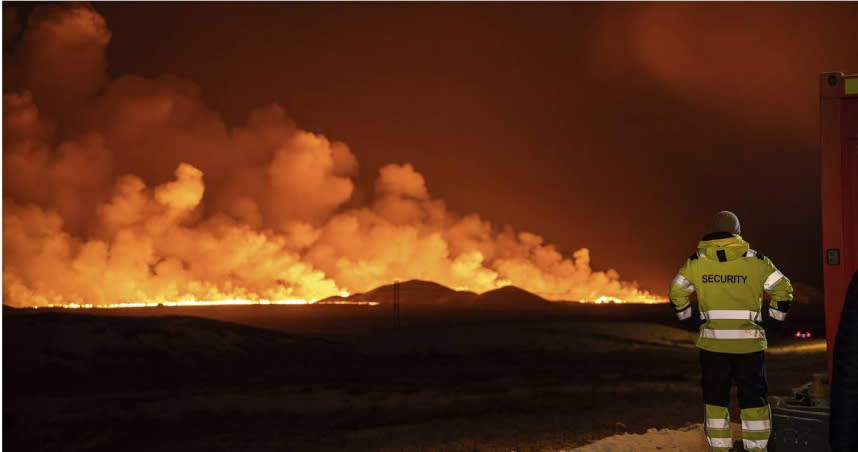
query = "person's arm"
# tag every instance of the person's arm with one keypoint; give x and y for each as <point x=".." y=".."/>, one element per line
<point x="777" y="285"/>
<point x="681" y="289"/>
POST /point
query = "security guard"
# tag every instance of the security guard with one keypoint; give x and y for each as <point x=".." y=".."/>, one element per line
<point x="729" y="279"/>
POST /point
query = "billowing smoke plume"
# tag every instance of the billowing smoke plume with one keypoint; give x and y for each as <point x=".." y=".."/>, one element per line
<point x="133" y="190"/>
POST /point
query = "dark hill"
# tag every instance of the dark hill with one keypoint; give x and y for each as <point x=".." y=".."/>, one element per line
<point x="426" y="293"/>
<point x="509" y="297"/>
<point x="413" y="292"/>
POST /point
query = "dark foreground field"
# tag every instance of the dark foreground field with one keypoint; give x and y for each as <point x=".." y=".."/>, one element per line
<point x="266" y="378"/>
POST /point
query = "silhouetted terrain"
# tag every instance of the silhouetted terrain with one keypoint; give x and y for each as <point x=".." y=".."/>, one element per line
<point x="426" y="293"/>
<point x="500" y="370"/>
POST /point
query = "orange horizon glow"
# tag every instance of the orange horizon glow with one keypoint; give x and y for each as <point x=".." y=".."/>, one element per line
<point x="287" y="302"/>
<point x="197" y="303"/>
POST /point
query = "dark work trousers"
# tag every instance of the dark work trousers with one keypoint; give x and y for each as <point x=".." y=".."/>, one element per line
<point x="747" y="370"/>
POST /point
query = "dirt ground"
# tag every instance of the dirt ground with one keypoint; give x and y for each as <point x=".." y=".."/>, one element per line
<point x="464" y="382"/>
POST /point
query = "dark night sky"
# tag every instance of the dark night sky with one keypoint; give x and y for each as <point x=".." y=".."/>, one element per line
<point x="619" y="127"/>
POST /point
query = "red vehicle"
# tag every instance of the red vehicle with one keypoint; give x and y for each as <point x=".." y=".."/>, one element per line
<point x="838" y="165"/>
<point x="801" y="423"/>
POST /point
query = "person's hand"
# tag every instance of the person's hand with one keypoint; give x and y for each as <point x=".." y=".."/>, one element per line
<point x="692" y="323"/>
<point x="771" y="325"/>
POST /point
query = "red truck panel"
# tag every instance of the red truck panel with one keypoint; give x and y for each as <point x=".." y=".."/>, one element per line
<point x="838" y="150"/>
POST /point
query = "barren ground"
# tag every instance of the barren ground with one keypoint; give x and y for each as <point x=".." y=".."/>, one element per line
<point x="346" y="380"/>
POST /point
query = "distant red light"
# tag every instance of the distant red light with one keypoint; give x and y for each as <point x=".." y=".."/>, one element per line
<point x="798" y="334"/>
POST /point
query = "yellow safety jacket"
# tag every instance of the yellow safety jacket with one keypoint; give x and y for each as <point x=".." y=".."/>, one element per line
<point x="729" y="279"/>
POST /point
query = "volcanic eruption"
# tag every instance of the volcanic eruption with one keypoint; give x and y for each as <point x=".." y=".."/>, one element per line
<point x="132" y="190"/>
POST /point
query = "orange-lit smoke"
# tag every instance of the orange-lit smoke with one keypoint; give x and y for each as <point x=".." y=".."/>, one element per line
<point x="133" y="191"/>
<point x="732" y="58"/>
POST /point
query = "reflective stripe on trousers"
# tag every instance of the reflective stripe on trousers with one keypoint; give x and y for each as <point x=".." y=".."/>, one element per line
<point x="720" y="442"/>
<point x="756" y="427"/>
<point x="718" y="423"/>
<point x="754" y="444"/>
<point x="717" y="427"/>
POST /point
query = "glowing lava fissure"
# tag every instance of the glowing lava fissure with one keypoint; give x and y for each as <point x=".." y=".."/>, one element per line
<point x="198" y="303"/>
<point x="133" y="189"/>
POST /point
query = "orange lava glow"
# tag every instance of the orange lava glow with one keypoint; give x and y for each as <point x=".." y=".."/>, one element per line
<point x="195" y="303"/>
<point x="641" y="300"/>
<point x="134" y="189"/>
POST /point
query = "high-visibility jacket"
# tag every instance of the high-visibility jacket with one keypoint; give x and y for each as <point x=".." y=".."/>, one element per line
<point x="729" y="279"/>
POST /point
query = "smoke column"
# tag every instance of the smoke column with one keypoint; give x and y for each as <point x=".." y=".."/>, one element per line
<point x="131" y="189"/>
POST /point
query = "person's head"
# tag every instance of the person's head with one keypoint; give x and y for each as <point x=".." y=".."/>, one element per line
<point x="726" y="221"/>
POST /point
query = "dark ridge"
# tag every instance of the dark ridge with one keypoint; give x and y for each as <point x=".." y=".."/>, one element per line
<point x="511" y="297"/>
<point x="414" y="292"/>
<point x="426" y="293"/>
